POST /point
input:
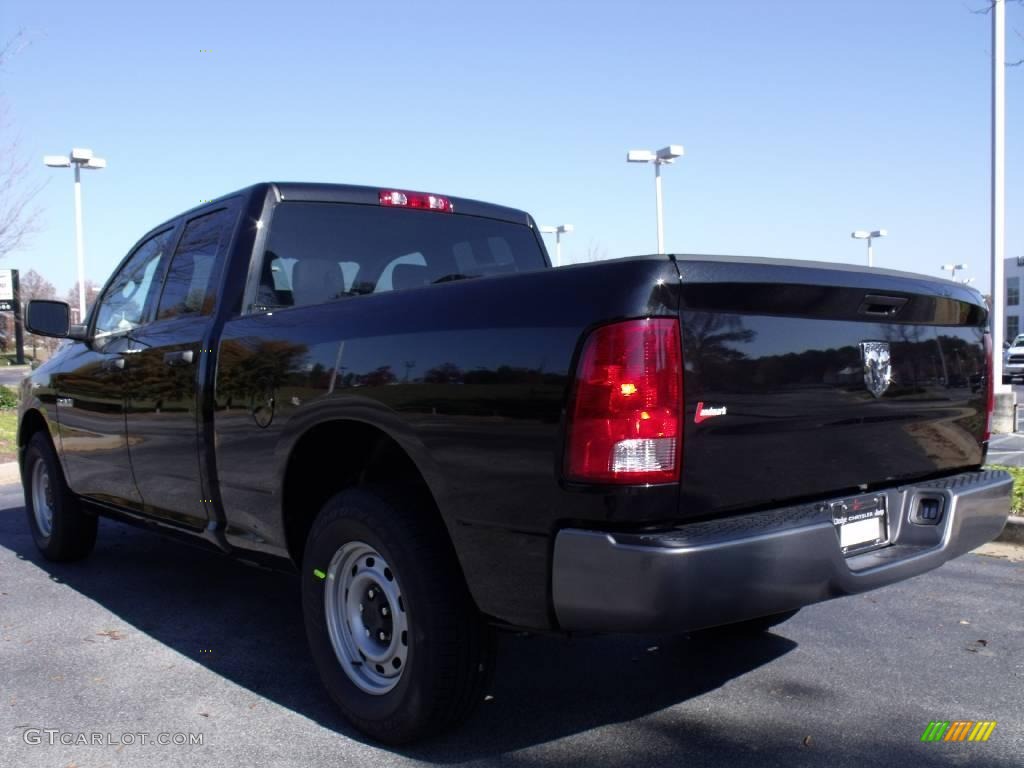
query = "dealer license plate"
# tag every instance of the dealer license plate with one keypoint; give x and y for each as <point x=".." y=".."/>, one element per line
<point x="860" y="522"/>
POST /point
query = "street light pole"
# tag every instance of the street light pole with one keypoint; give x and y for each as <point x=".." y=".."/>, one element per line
<point x="79" y="247"/>
<point x="658" y="202"/>
<point x="863" y="234"/>
<point x="558" y="231"/>
<point x="664" y="156"/>
<point x="998" y="190"/>
<point x="953" y="269"/>
<point x="79" y="158"/>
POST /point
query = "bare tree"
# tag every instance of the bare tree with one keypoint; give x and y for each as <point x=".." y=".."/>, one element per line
<point x="32" y="285"/>
<point x="595" y="252"/>
<point x="18" y="215"/>
<point x="91" y="291"/>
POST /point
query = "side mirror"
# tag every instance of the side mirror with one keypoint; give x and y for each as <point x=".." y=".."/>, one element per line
<point x="51" y="318"/>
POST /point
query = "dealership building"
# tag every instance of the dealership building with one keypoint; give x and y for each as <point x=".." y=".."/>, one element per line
<point x="1014" y="268"/>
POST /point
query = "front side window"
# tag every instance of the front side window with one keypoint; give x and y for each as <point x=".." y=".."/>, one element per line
<point x="319" y="252"/>
<point x="187" y="285"/>
<point x="1012" y="291"/>
<point x="123" y="305"/>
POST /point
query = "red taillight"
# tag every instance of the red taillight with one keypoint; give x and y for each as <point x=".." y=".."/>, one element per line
<point x="415" y="200"/>
<point x="990" y="394"/>
<point x="625" y="420"/>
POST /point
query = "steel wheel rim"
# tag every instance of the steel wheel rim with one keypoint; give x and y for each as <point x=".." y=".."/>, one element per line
<point x="42" y="498"/>
<point x="366" y="618"/>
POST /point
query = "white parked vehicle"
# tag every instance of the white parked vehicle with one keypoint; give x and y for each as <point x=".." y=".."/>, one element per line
<point x="1013" y="361"/>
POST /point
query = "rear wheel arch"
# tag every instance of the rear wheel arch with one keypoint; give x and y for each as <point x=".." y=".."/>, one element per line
<point x="336" y="455"/>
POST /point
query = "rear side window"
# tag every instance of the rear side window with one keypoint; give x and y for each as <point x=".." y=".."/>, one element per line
<point x="187" y="289"/>
<point x="318" y="252"/>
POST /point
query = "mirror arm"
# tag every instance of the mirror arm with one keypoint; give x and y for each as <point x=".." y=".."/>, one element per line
<point x="78" y="332"/>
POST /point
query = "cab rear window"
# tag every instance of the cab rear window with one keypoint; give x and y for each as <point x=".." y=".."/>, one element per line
<point x="318" y="252"/>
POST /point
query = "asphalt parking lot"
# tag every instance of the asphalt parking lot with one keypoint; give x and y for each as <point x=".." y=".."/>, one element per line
<point x="1007" y="450"/>
<point x="153" y="636"/>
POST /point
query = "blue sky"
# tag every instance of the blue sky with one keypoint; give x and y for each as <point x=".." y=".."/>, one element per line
<point x="802" y="120"/>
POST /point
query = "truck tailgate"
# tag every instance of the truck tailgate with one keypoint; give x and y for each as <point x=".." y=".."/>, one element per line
<point x="804" y="380"/>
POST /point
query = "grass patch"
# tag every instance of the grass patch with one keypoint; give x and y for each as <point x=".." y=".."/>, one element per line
<point x="1017" y="473"/>
<point x="9" y="432"/>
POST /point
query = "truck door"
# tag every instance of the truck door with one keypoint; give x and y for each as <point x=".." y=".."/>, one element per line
<point x="164" y="379"/>
<point x="91" y="392"/>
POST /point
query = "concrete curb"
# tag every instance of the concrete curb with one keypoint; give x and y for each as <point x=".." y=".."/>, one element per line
<point x="1013" y="533"/>
<point x="9" y="472"/>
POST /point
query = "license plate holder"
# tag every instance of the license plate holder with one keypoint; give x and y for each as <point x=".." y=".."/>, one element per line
<point x="861" y="523"/>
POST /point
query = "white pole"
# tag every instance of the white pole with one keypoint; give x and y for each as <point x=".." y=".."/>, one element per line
<point x="657" y="194"/>
<point x="871" y="254"/>
<point x="998" y="187"/>
<point x="558" y="248"/>
<point x="78" y="242"/>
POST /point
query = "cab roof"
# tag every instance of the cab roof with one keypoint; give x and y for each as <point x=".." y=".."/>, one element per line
<point x="365" y="195"/>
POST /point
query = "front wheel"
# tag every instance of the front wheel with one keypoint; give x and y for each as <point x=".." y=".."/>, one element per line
<point x="392" y="628"/>
<point x="61" y="529"/>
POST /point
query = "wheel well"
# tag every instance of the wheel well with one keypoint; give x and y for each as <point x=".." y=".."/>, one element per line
<point x="32" y="421"/>
<point x="337" y="455"/>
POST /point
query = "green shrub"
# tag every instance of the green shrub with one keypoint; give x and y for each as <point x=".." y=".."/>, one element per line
<point x="8" y="398"/>
<point x="10" y="358"/>
<point x="1017" y="473"/>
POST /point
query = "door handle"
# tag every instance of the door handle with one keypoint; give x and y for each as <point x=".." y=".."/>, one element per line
<point x="179" y="358"/>
<point x="875" y="304"/>
<point x="113" y="364"/>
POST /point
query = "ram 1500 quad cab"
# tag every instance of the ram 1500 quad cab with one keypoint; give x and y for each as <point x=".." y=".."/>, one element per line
<point x="394" y="394"/>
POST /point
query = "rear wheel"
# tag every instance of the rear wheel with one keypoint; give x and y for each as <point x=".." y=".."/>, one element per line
<point x="60" y="528"/>
<point x="394" y="633"/>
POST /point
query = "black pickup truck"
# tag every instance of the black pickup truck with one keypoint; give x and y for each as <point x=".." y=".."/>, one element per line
<point x="393" y="393"/>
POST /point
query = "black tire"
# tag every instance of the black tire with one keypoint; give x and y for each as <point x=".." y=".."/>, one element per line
<point x="450" y="650"/>
<point x="72" y="531"/>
